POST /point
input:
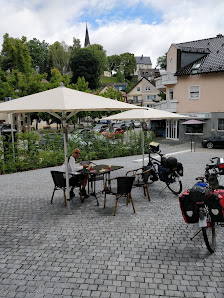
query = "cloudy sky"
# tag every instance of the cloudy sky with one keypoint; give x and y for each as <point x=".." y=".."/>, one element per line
<point x="141" y="27"/>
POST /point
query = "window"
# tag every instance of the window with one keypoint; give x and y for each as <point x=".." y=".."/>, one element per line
<point x="138" y="88"/>
<point x="135" y="98"/>
<point x="171" y="67"/>
<point x="220" y="124"/>
<point x="170" y="94"/>
<point x="194" y="92"/>
<point x="195" y="68"/>
<point x="151" y="97"/>
<point x="147" y="88"/>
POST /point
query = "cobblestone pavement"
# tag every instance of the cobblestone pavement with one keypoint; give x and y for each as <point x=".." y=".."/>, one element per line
<point x="91" y="253"/>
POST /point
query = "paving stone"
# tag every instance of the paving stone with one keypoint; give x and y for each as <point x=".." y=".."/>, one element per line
<point x="91" y="253"/>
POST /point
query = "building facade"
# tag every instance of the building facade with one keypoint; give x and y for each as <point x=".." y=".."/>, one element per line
<point x="144" y="93"/>
<point x="142" y="63"/>
<point x="193" y="82"/>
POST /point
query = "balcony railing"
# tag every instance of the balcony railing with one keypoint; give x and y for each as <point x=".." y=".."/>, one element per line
<point x="167" y="78"/>
<point x="159" y="84"/>
<point x="167" y="105"/>
<point x="135" y="101"/>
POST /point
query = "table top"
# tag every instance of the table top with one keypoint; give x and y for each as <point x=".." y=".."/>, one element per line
<point x="101" y="169"/>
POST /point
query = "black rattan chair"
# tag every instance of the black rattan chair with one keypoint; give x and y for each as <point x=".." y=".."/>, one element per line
<point x="124" y="187"/>
<point x="60" y="183"/>
<point x="142" y="176"/>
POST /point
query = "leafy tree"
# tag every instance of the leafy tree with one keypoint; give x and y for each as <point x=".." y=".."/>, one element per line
<point x="84" y="63"/>
<point x="113" y="94"/>
<point x="128" y="62"/>
<point x="131" y="84"/>
<point x="162" y="95"/>
<point x="114" y="63"/>
<point x="82" y="85"/>
<point x="161" y="61"/>
<point x="15" y="54"/>
<point x="56" y="77"/>
<point x="100" y="54"/>
<point x="120" y="77"/>
<point x="39" y="52"/>
<point x="75" y="46"/>
<point x="60" y="55"/>
<point x="17" y="84"/>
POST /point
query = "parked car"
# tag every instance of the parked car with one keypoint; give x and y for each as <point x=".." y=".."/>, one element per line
<point x="99" y="127"/>
<point x="136" y="123"/>
<point x="129" y="124"/>
<point x="214" y="142"/>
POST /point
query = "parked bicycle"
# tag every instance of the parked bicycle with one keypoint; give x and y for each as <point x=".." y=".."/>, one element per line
<point x="166" y="169"/>
<point x="204" y="202"/>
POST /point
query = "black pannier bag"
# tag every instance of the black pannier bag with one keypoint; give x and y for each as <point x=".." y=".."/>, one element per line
<point x="163" y="161"/>
<point x="171" y="162"/>
<point x="180" y="169"/>
<point x="190" y="210"/>
<point x="163" y="173"/>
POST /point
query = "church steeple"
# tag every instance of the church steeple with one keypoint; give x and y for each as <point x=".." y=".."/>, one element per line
<point x="87" y="41"/>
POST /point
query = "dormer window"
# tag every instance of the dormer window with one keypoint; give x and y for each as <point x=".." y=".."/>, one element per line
<point x="147" y="88"/>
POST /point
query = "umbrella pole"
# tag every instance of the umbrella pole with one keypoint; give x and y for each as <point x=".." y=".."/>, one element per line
<point x="65" y="132"/>
<point x="143" y="145"/>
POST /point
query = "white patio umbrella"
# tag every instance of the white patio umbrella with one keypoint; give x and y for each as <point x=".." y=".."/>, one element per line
<point x="144" y="115"/>
<point x="64" y="100"/>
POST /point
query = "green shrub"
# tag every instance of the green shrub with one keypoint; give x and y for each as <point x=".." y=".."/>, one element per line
<point x="33" y="151"/>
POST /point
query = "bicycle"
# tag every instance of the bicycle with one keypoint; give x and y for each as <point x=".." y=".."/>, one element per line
<point x="167" y="169"/>
<point x="204" y="202"/>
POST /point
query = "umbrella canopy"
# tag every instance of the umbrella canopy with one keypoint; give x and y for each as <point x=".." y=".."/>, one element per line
<point x="62" y="99"/>
<point x="193" y="121"/>
<point x="144" y="115"/>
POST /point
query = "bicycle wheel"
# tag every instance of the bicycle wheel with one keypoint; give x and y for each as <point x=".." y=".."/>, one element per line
<point x="210" y="237"/>
<point x="176" y="185"/>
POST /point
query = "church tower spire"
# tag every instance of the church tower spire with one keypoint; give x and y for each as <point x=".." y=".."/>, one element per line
<point x="87" y="41"/>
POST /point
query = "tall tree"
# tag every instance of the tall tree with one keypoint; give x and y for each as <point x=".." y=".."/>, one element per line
<point x="15" y="54"/>
<point x="128" y="63"/>
<point x="60" y="55"/>
<point x="100" y="54"/>
<point x="161" y="61"/>
<point x="39" y="52"/>
<point x="75" y="46"/>
<point x="114" y="63"/>
<point x="84" y="63"/>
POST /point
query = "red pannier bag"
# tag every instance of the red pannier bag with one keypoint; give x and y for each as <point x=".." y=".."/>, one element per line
<point x="215" y="205"/>
<point x="190" y="210"/>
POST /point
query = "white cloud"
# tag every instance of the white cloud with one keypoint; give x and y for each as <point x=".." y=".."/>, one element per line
<point x="56" y="20"/>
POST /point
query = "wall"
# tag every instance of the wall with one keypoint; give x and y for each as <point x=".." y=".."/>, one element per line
<point x="211" y="93"/>
<point x="172" y="53"/>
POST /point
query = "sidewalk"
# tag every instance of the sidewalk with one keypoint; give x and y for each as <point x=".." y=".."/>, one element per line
<point x="91" y="253"/>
